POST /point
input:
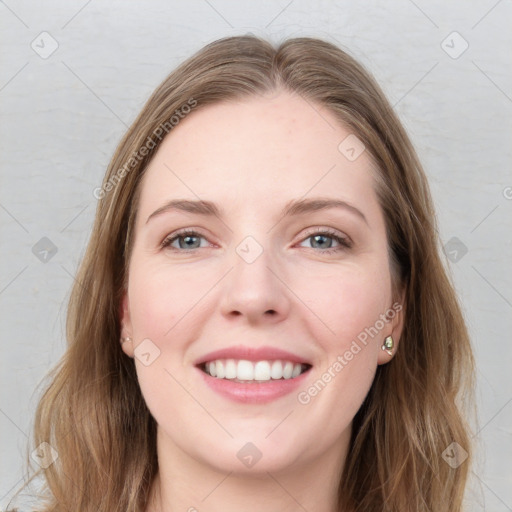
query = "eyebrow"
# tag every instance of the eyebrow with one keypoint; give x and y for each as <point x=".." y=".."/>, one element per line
<point x="294" y="207"/>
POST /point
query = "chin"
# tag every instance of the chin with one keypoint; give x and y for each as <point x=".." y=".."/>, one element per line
<point x="252" y="454"/>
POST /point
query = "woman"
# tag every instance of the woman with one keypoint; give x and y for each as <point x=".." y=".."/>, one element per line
<point x="262" y="319"/>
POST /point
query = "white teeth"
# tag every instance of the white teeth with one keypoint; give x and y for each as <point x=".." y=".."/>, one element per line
<point x="288" y="370"/>
<point x="296" y="370"/>
<point x="244" y="370"/>
<point x="277" y="370"/>
<point x="221" y="371"/>
<point x="230" y="369"/>
<point x="262" y="370"/>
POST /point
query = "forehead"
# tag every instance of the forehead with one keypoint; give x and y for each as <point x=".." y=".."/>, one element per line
<point x="270" y="148"/>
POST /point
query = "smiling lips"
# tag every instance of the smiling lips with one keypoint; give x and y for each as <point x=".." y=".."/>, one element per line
<point x="249" y="364"/>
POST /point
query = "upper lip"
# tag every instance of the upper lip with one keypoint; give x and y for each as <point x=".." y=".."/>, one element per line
<point x="252" y="354"/>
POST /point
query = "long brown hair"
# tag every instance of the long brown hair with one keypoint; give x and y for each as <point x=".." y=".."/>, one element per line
<point x="93" y="413"/>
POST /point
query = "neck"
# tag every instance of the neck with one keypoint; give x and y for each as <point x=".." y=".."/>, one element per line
<point x="186" y="484"/>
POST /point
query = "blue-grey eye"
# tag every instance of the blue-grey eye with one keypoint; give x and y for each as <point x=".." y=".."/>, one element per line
<point x="189" y="242"/>
<point x="321" y="241"/>
<point x="327" y="241"/>
<point x="185" y="240"/>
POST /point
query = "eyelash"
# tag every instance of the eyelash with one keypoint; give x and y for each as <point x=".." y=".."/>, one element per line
<point x="344" y="243"/>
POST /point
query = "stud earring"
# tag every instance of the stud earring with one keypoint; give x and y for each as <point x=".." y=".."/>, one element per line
<point x="388" y="345"/>
<point x="124" y="340"/>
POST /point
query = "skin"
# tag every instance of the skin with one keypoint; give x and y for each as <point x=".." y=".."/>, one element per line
<point x="252" y="157"/>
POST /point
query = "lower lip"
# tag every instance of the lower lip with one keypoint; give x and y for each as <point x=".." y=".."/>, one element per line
<point x="253" y="392"/>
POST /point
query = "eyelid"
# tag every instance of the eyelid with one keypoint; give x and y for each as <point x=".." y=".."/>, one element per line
<point x="166" y="242"/>
<point x="326" y="230"/>
<point x="344" y="240"/>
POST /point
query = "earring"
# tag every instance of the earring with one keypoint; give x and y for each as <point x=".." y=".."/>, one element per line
<point x="388" y="345"/>
<point x="124" y="340"/>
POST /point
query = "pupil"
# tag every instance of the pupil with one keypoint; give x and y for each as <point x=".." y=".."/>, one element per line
<point x="189" y="240"/>
<point x="321" y="239"/>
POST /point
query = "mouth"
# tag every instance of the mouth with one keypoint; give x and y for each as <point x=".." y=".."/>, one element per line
<point x="253" y="375"/>
<point x="244" y="371"/>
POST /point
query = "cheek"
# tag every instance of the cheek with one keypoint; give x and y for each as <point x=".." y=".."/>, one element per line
<point x="348" y="302"/>
<point x="161" y="295"/>
<point x="160" y="299"/>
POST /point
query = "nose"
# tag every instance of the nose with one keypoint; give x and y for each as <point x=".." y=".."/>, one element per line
<point x="255" y="291"/>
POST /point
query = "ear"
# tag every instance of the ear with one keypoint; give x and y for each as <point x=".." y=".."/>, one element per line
<point x="394" y="328"/>
<point x="126" y="326"/>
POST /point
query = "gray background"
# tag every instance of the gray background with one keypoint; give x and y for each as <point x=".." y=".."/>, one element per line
<point x="63" y="115"/>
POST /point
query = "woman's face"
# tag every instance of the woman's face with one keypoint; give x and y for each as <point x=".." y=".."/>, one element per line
<point x="243" y="266"/>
